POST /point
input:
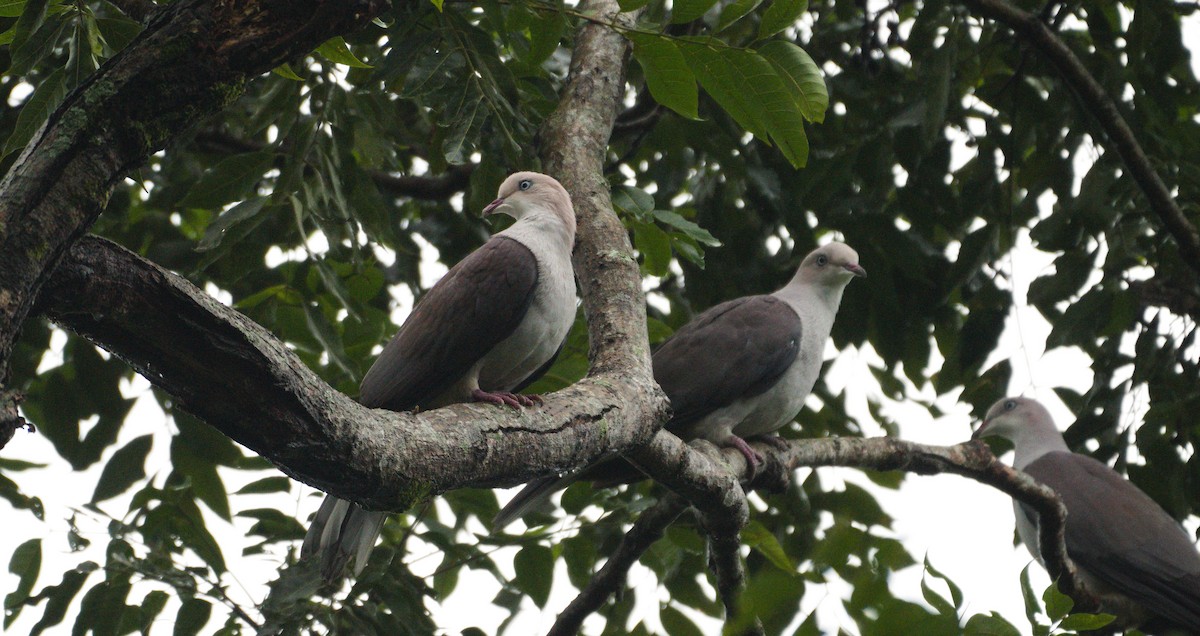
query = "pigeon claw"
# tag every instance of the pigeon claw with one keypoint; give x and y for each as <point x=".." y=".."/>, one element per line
<point x="753" y="458"/>
<point x="502" y="398"/>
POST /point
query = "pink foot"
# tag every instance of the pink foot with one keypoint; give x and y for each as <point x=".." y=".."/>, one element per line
<point x="753" y="459"/>
<point x="503" y="397"/>
<point x="774" y="440"/>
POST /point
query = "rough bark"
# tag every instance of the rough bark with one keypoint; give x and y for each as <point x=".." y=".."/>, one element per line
<point x="235" y="375"/>
<point x="193" y="59"/>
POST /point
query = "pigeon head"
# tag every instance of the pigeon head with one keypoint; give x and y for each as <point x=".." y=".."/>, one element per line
<point x="834" y="264"/>
<point x="1014" y="418"/>
<point x="525" y="194"/>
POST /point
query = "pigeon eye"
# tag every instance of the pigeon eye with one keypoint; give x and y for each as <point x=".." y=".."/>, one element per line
<point x="1010" y="405"/>
<point x="525" y="184"/>
<point x="822" y="260"/>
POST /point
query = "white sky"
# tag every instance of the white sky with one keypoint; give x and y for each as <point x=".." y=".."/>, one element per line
<point x="964" y="528"/>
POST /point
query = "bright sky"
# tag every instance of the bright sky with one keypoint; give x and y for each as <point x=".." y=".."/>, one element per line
<point x="964" y="528"/>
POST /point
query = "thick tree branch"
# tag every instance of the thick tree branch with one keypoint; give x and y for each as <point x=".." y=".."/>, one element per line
<point x="1092" y="95"/>
<point x="191" y="60"/>
<point x="238" y="377"/>
<point x="610" y="579"/>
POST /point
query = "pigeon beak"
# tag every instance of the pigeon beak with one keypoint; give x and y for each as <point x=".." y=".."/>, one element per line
<point x="493" y="206"/>
<point x="979" y="432"/>
<point x="857" y="270"/>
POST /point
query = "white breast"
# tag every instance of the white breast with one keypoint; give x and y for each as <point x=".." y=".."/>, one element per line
<point x="550" y="314"/>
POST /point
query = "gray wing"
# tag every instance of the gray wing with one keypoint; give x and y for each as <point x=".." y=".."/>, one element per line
<point x="734" y="350"/>
<point x="475" y="306"/>
<point x="1122" y="537"/>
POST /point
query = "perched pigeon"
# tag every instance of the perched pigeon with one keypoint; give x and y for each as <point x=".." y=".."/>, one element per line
<point x="492" y="325"/>
<point x="1118" y="537"/>
<point x="740" y="369"/>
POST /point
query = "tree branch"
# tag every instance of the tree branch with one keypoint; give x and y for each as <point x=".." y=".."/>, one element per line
<point x="611" y="578"/>
<point x="235" y="375"/>
<point x="191" y="60"/>
<point x="1094" y="98"/>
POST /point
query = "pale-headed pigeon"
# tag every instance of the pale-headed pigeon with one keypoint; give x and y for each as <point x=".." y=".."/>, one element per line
<point x="740" y="369"/>
<point x="1118" y="537"/>
<point x="491" y="326"/>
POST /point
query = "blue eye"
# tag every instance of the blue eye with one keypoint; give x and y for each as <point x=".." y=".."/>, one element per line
<point x="822" y="260"/>
<point x="1010" y="405"/>
<point x="525" y="184"/>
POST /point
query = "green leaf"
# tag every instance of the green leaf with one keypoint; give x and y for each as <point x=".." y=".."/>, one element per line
<point x="1058" y="605"/>
<point x="32" y="18"/>
<point x="266" y="485"/>
<point x="676" y="623"/>
<point x="285" y="71"/>
<point x="759" y="538"/>
<point x="232" y="179"/>
<point x="26" y="563"/>
<point x="735" y="11"/>
<point x="216" y="230"/>
<point x="801" y="76"/>
<point x="989" y="625"/>
<point x="192" y="617"/>
<point x="630" y="5"/>
<point x="27" y="55"/>
<point x="534" y="566"/>
<point x="117" y="32"/>
<point x="780" y="14"/>
<point x="668" y="77"/>
<point x="688" y="10"/>
<point x="1083" y="622"/>
<point x="697" y="233"/>
<point x="36" y="110"/>
<point x="654" y="246"/>
<point x="335" y="50"/>
<point x="11" y="8"/>
<point x="59" y="596"/>
<point x="750" y="89"/>
<point x="634" y="202"/>
<point x="126" y="467"/>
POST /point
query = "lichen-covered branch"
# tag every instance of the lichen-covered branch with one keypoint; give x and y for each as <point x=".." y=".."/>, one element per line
<point x="1092" y="96"/>
<point x="235" y="375"/>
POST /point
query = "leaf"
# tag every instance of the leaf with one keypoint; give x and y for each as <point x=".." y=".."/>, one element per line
<point x="1057" y="604"/>
<point x="676" y="623"/>
<point x="989" y="625"/>
<point x="759" y="538"/>
<point x="266" y="485"/>
<point x="654" y="246"/>
<point x="735" y="11"/>
<point x="27" y="55"/>
<point x="634" y="202"/>
<point x="285" y="71"/>
<point x="231" y="179"/>
<point x="36" y="110"/>
<point x="124" y="468"/>
<point x="780" y="14"/>
<point x="801" y="76"/>
<point x="1086" y="622"/>
<point x="534" y="566"/>
<point x="329" y="339"/>
<point x="26" y="563"/>
<point x="697" y="233"/>
<point x="117" y="32"/>
<point x="336" y="50"/>
<point x="668" y="77"/>
<point x="216" y="230"/>
<point x="192" y="616"/>
<point x="11" y="8"/>
<point x="688" y="10"/>
<point x="31" y="19"/>
<point x="750" y="89"/>
<point x="59" y="596"/>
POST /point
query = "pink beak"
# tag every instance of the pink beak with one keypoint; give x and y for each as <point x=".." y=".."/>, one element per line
<point x="857" y="270"/>
<point x="491" y="207"/>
